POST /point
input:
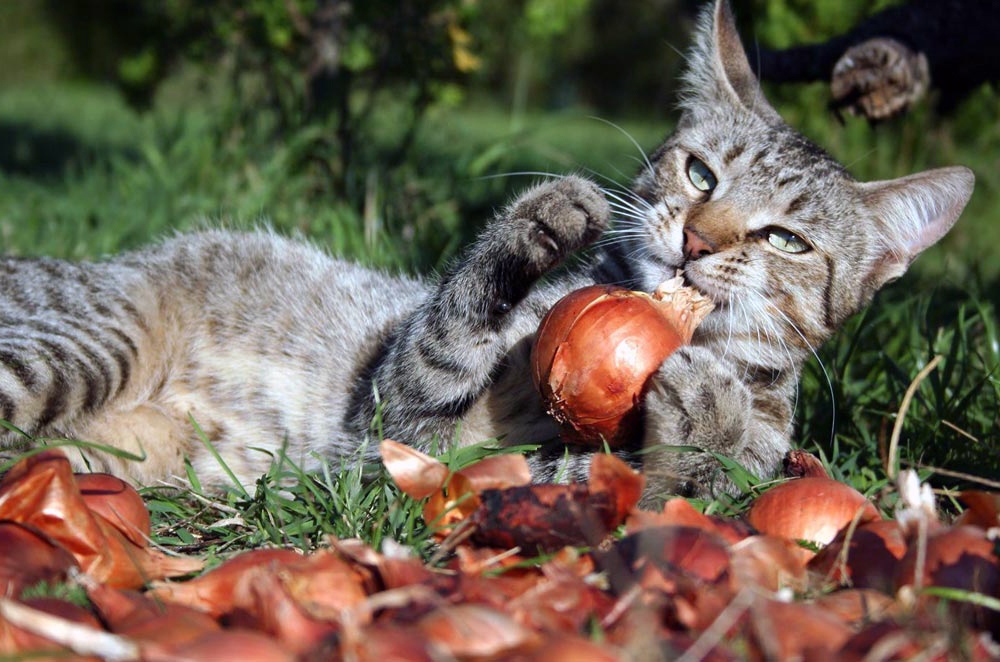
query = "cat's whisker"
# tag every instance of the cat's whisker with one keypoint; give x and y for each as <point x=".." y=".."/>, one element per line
<point x="625" y="203"/>
<point x="520" y="173"/>
<point x="829" y="382"/>
<point x="652" y="171"/>
<point x="729" y="317"/>
<point x="616" y="186"/>
<point x="627" y="213"/>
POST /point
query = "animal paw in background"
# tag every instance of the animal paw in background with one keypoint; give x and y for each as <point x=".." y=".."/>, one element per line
<point x="879" y="78"/>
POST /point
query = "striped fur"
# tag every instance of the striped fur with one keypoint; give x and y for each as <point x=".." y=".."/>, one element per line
<point x="268" y="342"/>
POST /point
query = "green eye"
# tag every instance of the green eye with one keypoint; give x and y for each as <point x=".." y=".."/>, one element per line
<point x="700" y="175"/>
<point x="786" y="241"/>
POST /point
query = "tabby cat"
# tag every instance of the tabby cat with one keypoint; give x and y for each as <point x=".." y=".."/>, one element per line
<point x="266" y="341"/>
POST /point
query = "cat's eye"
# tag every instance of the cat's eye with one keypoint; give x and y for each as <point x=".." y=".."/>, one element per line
<point x="700" y="175"/>
<point x="786" y="241"/>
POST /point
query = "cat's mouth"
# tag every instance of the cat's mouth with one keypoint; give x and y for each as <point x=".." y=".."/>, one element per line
<point x="712" y="293"/>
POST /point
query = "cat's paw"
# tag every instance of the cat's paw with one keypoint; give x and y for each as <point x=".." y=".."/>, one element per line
<point x="556" y="218"/>
<point x="694" y="400"/>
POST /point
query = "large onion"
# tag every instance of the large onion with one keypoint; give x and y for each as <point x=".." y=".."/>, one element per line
<point x="597" y="347"/>
<point x="811" y="509"/>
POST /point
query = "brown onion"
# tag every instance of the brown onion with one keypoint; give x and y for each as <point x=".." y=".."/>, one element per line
<point x="810" y="509"/>
<point x="118" y="502"/>
<point x="597" y="347"/>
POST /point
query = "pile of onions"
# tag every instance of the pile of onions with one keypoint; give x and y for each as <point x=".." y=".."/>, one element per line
<point x="597" y="347"/>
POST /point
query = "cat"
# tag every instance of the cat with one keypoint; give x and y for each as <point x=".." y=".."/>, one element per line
<point x="267" y="342"/>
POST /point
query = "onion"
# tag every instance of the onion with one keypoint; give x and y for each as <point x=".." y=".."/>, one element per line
<point x="118" y="502"/>
<point x="811" y="509"/>
<point x="597" y="347"/>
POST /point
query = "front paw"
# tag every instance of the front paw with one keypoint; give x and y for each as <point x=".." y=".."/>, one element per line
<point x="556" y="218"/>
<point x="694" y="400"/>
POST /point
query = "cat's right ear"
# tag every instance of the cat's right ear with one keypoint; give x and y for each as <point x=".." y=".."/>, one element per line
<point x="719" y="71"/>
<point x="912" y="213"/>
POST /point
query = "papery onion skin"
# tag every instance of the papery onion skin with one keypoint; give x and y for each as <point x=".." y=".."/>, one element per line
<point x="960" y="557"/>
<point x="595" y="351"/>
<point x="28" y="556"/>
<point x="873" y="555"/>
<point x="117" y="502"/>
<point x="811" y="509"/>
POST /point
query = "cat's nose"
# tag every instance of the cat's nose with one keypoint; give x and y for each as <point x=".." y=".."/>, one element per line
<point x="696" y="246"/>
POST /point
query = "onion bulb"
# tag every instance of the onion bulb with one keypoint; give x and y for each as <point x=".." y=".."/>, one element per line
<point x="810" y="509"/>
<point x="118" y="502"/>
<point x="597" y="347"/>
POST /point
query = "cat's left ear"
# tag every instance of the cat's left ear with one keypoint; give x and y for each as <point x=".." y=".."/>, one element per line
<point x="718" y="48"/>
<point x="913" y="213"/>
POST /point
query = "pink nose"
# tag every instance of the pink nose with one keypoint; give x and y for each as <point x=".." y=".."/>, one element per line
<point x="695" y="246"/>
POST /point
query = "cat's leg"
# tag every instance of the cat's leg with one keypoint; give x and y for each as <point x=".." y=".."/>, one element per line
<point x="75" y="339"/>
<point x="698" y="401"/>
<point x="440" y="359"/>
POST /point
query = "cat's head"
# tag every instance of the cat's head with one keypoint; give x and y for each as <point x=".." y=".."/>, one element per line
<point x="766" y="223"/>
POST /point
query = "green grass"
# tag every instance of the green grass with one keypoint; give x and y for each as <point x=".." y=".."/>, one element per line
<point x="82" y="175"/>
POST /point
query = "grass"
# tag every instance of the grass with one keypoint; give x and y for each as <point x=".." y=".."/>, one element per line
<point x="82" y="175"/>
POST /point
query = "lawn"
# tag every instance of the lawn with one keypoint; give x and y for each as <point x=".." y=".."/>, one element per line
<point x="83" y="175"/>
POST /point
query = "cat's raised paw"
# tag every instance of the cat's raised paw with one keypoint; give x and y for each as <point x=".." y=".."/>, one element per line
<point x="556" y="218"/>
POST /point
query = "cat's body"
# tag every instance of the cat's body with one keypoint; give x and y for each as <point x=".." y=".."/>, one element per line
<point x="267" y="342"/>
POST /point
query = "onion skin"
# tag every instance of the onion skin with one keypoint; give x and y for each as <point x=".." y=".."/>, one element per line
<point x="41" y="491"/>
<point x="118" y="502"/>
<point x="224" y="646"/>
<point x="812" y="509"/>
<point x="873" y="555"/>
<point x="596" y="349"/>
<point x="858" y="606"/>
<point x="27" y="556"/>
<point x="960" y="557"/>
<point x="213" y="592"/>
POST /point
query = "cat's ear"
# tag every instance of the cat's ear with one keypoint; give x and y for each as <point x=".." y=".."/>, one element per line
<point x="913" y="213"/>
<point x="718" y="67"/>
